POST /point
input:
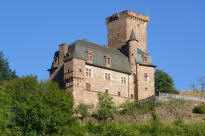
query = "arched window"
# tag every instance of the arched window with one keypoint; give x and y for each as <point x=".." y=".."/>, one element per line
<point x="145" y="77"/>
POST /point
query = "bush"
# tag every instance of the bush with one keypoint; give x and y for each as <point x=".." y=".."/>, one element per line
<point x="199" y="109"/>
<point x="136" y="107"/>
<point x="82" y="109"/>
<point x="106" y="109"/>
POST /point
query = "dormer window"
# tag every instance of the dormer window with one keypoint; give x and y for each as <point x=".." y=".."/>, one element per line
<point x="145" y="59"/>
<point x="90" y="56"/>
<point x="108" y="60"/>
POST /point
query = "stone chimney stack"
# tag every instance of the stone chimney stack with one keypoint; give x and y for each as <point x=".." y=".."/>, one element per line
<point x="63" y="50"/>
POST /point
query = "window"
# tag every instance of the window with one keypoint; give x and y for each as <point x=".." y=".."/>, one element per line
<point x="131" y="96"/>
<point x="145" y="59"/>
<point x="88" y="86"/>
<point x="88" y="72"/>
<point x="90" y="56"/>
<point x="106" y="91"/>
<point x="123" y="80"/>
<point x="145" y="77"/>
<point x="107" y="76"/>
<point x="108" y="61"/>
<point x="118" y="93"/>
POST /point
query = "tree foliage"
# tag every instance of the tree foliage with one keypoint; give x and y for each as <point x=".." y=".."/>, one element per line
<point x="164" y="83"/>
<point x="35" y="108"/>
<point x="82" y="109"/>
<point x="107" y="108"/>
<point x="6" y="73"/>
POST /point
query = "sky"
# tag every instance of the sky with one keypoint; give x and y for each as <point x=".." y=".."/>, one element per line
<point x="31" y="30"/>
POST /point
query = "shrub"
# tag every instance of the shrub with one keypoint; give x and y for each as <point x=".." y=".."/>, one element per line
<point x="106" y="109"/>
<point x="199" y="109"/>
<point x="135" y="107"/>
<point x="82" y="109"/>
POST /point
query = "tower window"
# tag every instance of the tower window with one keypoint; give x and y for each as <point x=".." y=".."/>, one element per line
<point x="107" y="76"/>
<point x="88" y="86"/>
<point x="145" y="77"/>
<point x="88" y="72"/>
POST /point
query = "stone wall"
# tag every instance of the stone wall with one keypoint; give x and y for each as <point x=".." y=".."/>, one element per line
<point x="168" y="96"/>
<point x="145" y="89"/>
<point x="99" y="84"/>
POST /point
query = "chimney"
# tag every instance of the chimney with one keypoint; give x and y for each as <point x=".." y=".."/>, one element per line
<point x="63" y="50"/>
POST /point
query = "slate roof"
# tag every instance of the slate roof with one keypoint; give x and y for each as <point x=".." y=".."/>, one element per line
<point x="132" y="36"/>
<point x="119" y="61"/>
<point x="139" y="58"/>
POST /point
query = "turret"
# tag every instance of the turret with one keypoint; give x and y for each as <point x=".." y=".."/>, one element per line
<point x="132" y="46"/>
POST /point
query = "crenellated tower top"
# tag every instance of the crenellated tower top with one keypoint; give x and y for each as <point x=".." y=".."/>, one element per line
<point x="121" y="25"/>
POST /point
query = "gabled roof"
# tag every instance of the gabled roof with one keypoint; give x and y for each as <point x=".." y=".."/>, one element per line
<point x="119" y="61"/>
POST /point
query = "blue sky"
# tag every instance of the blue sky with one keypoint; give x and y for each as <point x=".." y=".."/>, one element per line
<point x="31" y="30"/>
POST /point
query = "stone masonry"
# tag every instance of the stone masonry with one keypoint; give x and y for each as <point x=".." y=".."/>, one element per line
<point x="124" y="69"/>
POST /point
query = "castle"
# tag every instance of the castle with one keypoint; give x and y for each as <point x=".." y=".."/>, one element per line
<point x="122" y="69"/>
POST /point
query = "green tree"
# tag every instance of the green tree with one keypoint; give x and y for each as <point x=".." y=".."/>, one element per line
<point x="37" y="108"/>
<point x="6" y="73"/>
<point x="164" y="83"/>
<point x="106" y="107"/>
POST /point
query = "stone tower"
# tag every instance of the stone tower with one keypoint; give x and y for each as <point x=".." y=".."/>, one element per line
<point x="120" y="26"/>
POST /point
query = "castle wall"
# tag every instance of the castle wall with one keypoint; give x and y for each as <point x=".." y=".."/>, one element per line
<point x="99" y="84"/>
<point x="145" y="89"/>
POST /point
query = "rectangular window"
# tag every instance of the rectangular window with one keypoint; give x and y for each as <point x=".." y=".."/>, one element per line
<point x="145" y="59"/>
<point x="131" y="96"/>
<point x="123" y="80"/>
<point x="108" y="61"/>
<point x="118" y="93"/>
<point x="107" y="76"/>
<point x="89" y="56"/>
<point x="106" y="91"/>
<point x="145" y="77"/>
<point x="88" y="86"/>
<point x="88" y="72"/>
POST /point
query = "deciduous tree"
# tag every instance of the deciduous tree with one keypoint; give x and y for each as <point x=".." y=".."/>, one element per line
<point x="164" y="83"/>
